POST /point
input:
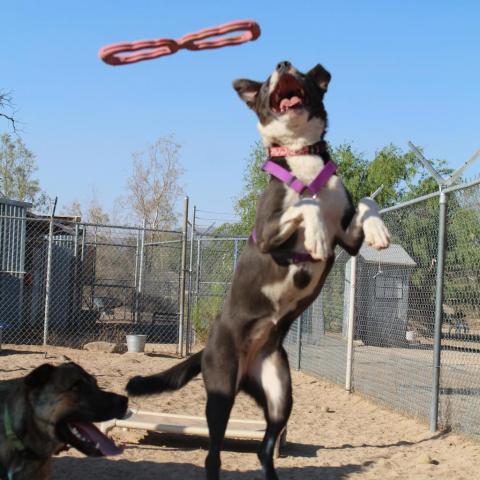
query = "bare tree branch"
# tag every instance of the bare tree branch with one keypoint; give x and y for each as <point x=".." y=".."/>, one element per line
<point x="154" y="184"/>
<point x="6" y="102"/>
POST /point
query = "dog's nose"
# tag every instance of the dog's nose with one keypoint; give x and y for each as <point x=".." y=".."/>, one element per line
<point x="283" y="66"/>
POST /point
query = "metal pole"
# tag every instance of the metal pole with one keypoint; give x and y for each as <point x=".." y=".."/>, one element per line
<point x="75" y="308"/>
<point x="135" y="279"/>
<point x="49" y="274"/>
<point x="140" y="274"/>
<point x="183" y="265"/>
<point x="75" y="242"/>
<point x="351" y="323"/>
<point x="299" y="342"/>
<point x="235" y="253"/>
<point x="84" y="233"/>
<point x="190" y="284"/>
<point x="351" y="312"/>
<point x="197" y="273"/>
<point x="437" y="336"/>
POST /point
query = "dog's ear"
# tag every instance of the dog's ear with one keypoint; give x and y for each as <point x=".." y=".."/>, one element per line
<point x="247" y="90"/>
<point x="320" y="76"/>
<point x="40" y="376"/>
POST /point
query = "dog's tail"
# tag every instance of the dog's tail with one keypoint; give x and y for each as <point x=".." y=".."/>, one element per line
<point x="172" y="379"/>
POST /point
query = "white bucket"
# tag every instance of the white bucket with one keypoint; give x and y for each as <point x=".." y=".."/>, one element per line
<point x="136" y="343"/>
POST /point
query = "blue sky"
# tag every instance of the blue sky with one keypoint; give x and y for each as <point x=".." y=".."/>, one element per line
<point x="401" y="70"/>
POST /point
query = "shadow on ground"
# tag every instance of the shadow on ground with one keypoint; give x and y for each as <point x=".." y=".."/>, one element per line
<point x="8" y="351"/>
<point x="401" y="443"/>
<point x="68" y="468"/>
<point x="194" y="443"/>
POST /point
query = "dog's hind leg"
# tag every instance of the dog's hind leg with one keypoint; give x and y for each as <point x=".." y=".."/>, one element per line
<point x="219" y="369"/>
<point x="272" y="388"/>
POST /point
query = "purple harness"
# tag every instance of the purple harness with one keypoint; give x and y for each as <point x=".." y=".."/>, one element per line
<point x="293" y="182"/>
<point x="282" y="174"/>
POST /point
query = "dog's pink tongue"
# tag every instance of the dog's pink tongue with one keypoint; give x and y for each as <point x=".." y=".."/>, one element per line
<point x="287" y="103"/>
<point x="106" y="446"/>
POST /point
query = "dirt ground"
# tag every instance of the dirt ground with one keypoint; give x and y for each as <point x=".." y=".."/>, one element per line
<point x="332" y="435"/>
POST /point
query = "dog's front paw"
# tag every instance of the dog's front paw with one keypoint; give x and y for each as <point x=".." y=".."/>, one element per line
<point x="316" y="242"/>
<point x="376" y="233"/>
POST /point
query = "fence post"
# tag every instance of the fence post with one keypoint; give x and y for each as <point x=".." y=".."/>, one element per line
<point x="183" y="266"/>
<point x="82" y="252"/>
<point x="299" y="342"/>
<point x="75" y="306"/>
<point x="139" y="280"/>
<point x="351" y="323"/>
<point x="197" y="272"/>
<point x="49" y="274"/>
<point x="235" y="253"/>
<point x="190" y="283"/>
<point x="351" y="312"/>
<point x="437" y="335"/>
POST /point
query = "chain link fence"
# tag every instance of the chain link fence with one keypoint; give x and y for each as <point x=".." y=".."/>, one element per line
<point x="213" y="262"/>
<point x="394" y="315"/>
<point x="68" y="283"/>
<point x="315" y="342"/>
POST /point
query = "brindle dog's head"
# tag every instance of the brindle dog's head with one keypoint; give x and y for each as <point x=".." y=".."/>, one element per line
<point x="66" y="400"/>
<point x="289" y="104"/>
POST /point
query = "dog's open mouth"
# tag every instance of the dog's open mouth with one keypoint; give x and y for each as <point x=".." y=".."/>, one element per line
<point x="288" y="95"/>
<point x="88" y="439"/>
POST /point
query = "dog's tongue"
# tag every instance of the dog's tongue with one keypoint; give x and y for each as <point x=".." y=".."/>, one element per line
<point x="106" y="446"/>
<point x="287" y="103"/>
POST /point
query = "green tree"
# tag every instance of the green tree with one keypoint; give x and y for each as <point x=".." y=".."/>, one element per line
<point x="255" y="180"/>
<point x="17" y="169"/>
<point x="401" y="174"/>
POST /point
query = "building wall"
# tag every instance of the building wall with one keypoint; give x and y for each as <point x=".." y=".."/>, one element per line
<point x="12" y="260"/>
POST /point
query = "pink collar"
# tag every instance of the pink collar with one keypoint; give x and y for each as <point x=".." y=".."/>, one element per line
<point x="315" y="149"/>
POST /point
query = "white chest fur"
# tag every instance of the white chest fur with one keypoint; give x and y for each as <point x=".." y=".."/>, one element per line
<point x="305" y="167"/>
<point x="284" y="295"/>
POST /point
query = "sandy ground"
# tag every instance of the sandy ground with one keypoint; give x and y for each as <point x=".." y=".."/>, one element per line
<point x="355" y="439"/>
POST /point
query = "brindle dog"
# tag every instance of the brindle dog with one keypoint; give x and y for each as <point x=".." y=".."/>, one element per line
<point x="52" y="407"/>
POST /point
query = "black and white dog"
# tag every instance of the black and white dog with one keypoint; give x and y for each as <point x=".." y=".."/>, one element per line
<point x="284" y="265"/>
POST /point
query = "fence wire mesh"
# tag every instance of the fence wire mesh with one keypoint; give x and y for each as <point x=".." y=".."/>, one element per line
<point x="460" y="371"/>
<point x="316" y="342"/>
<point x="394" y="315"/>
<point x="70" y="283"/>
<point x="65" y="283"/>
<point x="213" y="262"/>
<point x="396" y="294"/>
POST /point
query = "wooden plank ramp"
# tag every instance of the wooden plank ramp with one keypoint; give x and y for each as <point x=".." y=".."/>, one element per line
<point x="189" y="425"/>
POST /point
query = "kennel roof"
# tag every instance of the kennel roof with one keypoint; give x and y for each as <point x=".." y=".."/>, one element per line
<point x="395" y="254"/>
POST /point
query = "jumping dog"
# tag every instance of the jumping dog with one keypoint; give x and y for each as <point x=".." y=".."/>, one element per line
<point x="48" y="409"/>
<point x="302" y="215"/>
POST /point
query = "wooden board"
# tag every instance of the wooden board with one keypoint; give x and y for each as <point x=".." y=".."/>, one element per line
<point x="187" y="425"/>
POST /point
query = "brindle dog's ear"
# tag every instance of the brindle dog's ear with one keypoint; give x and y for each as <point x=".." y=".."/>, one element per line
<point x="247" y="90"/>
<point x="320" y="76"/>
<point x="40" y="376"/>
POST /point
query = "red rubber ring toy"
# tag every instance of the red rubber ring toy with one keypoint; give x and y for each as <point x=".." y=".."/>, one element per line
<point x="192" y="40"/>
<point x="155" y="49"/>
<point x="161" y="47"/>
